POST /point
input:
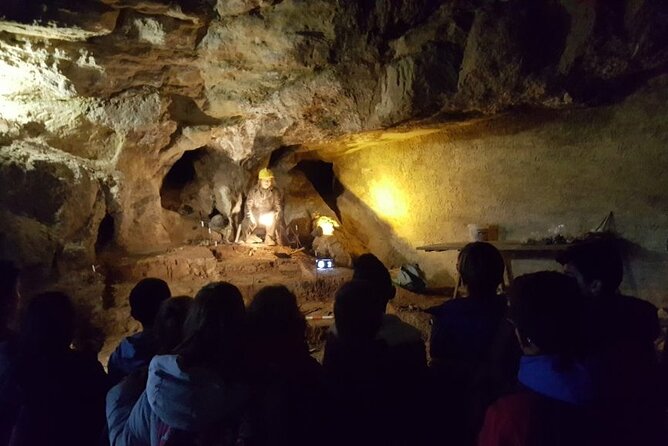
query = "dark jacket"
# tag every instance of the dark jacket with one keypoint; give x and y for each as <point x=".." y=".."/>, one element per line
<point x="403" y="344"/>
<point x="287" y="389"/>
<point x="463" y="329"/>
<point x="359" y="383"/>
<point x="621" y="321"/>
<point x="621" y="333"/>
<point x="62" y="401"/>
<point x="369" y="406"/>
<point x="475" y="357"/>
<point x="9" y="390"/>
<point x="470" y="336"/>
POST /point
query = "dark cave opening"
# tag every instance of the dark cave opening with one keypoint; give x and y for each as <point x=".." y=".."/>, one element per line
<point x="105" y="233"/>
<point x="322" y="177"/>
<point x="181" y="174"/>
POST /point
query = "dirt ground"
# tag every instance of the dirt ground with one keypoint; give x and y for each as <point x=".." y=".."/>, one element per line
<point x="101" y="292"/>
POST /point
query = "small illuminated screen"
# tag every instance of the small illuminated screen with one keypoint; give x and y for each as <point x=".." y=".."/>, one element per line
<point x="324" y="263"/>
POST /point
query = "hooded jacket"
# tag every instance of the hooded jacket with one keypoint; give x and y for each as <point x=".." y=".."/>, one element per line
<point x="544" y="375"/>
<point x="552" y="409"/>
<point x="174" y="400"/>
<point x="133" y="353"/>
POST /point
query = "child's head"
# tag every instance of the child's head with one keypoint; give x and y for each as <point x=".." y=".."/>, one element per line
<point x="368" y="267"/>
<point x="596" y="266"/>
<point x="145" y="299"/>
<point x="213" y="330"/>
<point x="481" y="267"/>
<point x="546" y="310"/>
<point x="48" y="324"/>
<point x="274" y="313"/>
<point x="358" y="310"/>
<point x="168" y="325"/>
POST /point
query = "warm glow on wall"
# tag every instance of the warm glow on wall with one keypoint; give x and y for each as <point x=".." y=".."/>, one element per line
<point x="326" y="224"/>
<point x="387" y="199"/>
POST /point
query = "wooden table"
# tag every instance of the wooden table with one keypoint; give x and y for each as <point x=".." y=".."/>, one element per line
<point x="509" y="250"/>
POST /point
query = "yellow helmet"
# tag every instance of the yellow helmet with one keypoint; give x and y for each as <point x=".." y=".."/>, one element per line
<point x="265" y="174"/>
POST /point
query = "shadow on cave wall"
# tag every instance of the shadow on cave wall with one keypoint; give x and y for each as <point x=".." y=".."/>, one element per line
<point x="321" y="175"/>
<point x="361" y="223"/>
<point x="382" y="240"/>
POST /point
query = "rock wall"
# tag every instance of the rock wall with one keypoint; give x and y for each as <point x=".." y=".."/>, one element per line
<point x="41" y="222"/>
<point x="123" y="88"/>
<point x="526" y="173"/>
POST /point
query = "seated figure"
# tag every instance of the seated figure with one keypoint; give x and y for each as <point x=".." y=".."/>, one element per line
<point x="553" y="404"/>
<point x="263" y="208"/>
<point x="136" y="351"/>
<point x="356" y="367"/>
<point x="619" y="335"/>
<point x="168" y="331"/>
<point x="288" y="383"/>
<point x="404" y="342"/>
<point x="61" y="390"/>
<point x="474" y="353"/>
<point x="9" y="395"/>
<point x="198" y="393"/>
<point x="367" y="352"/>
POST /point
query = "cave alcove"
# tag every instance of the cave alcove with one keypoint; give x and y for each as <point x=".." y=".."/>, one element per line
<point x="321" y="175"/>
<point x="176" y="191"/>
<point x="106" y="233"/>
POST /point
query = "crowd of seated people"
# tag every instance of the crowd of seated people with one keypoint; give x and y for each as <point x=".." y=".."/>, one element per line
<point x="558" y="359"/>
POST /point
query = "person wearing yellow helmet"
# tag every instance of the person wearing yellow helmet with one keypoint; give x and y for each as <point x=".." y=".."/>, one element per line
<point x="265" y="177"/>
<point x="263" y="209"/>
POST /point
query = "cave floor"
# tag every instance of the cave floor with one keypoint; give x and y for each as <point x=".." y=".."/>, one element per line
<point x="102" y="295"/>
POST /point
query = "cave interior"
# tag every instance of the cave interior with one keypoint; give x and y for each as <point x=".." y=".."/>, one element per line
<point x="131" y="132"/>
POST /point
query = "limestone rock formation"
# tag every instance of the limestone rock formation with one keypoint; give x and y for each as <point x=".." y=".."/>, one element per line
<point x="50" y="206"/>
<point x="100" y="99"/>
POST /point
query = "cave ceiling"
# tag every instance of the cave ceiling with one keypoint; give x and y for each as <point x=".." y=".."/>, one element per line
<point x="245" y="77"/>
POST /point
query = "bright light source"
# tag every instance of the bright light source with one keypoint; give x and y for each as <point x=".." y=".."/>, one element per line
<point x="388" y="200"/>
<point x="323" y="264"/>
<point x="267" y="219"/>
<point x="326" y="224"/>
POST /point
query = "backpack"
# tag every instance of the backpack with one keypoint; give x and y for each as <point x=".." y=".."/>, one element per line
<point x="411" y="277"/>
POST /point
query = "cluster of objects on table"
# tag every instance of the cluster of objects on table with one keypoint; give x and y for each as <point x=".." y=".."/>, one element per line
<point x="564" y="359"/>
<point x="557" y="235"/>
